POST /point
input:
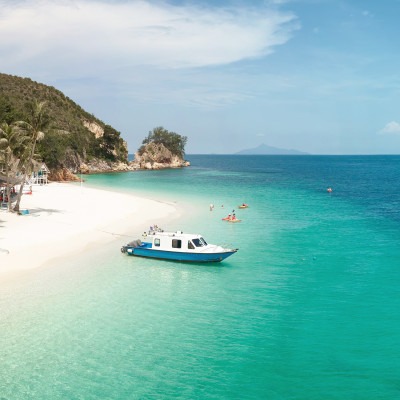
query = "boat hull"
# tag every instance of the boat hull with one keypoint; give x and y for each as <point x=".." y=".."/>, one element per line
<point x="178" y="256"/>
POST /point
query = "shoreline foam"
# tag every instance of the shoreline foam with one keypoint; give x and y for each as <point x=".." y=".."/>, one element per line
<point x="66" y="219"/>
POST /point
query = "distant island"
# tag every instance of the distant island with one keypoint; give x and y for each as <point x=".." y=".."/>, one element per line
<point x="269" y="150"/>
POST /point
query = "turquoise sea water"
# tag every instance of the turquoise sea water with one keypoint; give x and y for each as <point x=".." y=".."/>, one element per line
<point x="307" y="309"/>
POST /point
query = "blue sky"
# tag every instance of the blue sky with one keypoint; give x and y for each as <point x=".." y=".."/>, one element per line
<point x="320" y="76"/>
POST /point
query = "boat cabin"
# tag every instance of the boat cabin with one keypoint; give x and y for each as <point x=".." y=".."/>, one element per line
<point x="177" y="241"/>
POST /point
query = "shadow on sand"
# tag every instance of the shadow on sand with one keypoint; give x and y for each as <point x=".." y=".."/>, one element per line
<point x="38" y="211"/>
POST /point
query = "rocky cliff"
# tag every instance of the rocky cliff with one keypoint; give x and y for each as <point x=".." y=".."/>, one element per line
<point x="157" y="156"/>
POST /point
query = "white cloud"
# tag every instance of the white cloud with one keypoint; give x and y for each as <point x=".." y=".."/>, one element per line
<point x="81" y="37"/>
<point x="260" y="134"/>
<point x="390" y="128"/>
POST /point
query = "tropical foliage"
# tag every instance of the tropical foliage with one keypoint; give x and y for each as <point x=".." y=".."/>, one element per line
<point x="172" y="141"/>
<point x="12" y="146"/>
<point x="37" y="122"/>
<point x="67" y="138"/>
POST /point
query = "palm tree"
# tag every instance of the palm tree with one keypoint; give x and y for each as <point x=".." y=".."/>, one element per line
<point x="12" y="141"/>
<point x="37" y="123"/>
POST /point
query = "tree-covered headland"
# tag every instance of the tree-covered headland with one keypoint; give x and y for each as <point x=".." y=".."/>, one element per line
<point x="68" y="140"/>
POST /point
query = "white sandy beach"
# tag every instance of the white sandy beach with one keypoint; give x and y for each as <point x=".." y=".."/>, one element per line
<point x="65" y="219"/>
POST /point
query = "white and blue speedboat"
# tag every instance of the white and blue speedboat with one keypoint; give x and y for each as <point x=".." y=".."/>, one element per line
<point x="177" y="246"/>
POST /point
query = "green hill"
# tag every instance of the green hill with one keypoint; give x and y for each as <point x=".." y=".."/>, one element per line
<point x="75" y="136"/>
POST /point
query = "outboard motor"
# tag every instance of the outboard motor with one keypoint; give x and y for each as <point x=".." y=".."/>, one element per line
<point x="133" y="244"/>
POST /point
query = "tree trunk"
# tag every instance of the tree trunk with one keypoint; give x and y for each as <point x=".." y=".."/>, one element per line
<point x="21" y="188"/>
<point x="7" y="160"/>
<point x="16" y="207"/>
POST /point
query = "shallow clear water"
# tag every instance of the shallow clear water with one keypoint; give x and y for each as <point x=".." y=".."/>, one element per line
<point x="307" y="309"/>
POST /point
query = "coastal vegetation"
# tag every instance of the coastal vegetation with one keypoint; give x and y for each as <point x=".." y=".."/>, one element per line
<point x="73" y="136"/>
<point x="12" y="145"/>
<point x="172" y="141"/>
<point x="39" y="124"/>
<point x="17" y="147"/>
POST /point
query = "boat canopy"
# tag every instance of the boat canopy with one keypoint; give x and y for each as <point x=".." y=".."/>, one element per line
<point x="177" y="241"/>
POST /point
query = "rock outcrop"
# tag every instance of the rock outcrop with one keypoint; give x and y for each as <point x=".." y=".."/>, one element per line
<point x="93" y="127"/>
<point x="100" y="166"/>
<point x="63" y="175"/>
<point x="157" y="156"/>
<point x="92" y="167"/>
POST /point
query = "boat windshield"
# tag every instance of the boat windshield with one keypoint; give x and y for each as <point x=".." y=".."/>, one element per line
<point x="197" y="242"/>
<point x="203" y="241"/>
